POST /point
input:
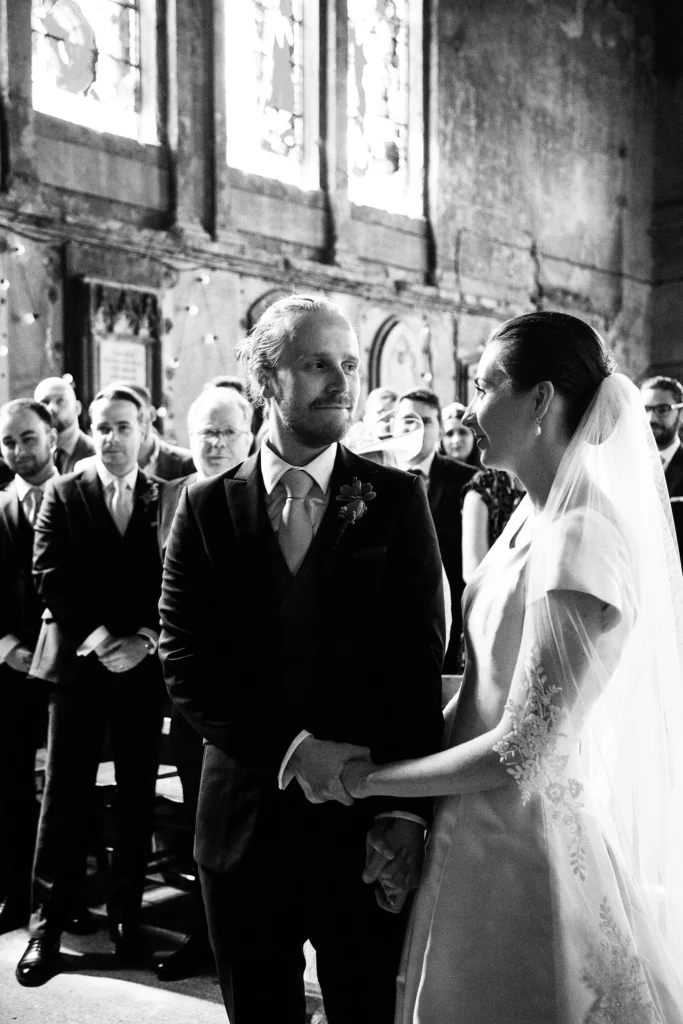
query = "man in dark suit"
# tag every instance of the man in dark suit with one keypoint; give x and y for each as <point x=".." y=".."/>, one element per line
<point x="72" y="443"/>
<point x="158" y="457"/>
<point x="663" y="401"/>
<point x="98" y="570"/>
<point x="302" y="614"/>
<point x="27" y="439"/>
<point x="219" y="425"/>
<point x="444" y="478"/>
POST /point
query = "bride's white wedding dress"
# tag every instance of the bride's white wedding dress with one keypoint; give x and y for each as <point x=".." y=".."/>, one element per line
<point x="526" y="913"/>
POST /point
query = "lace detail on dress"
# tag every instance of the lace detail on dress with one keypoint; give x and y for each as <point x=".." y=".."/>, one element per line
<point x="617" y="978"/>
<point x="529" y="753"/>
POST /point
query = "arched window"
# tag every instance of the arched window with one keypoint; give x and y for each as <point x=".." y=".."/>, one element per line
<point x="271" y="70"/>
<point x="397" y="358"/>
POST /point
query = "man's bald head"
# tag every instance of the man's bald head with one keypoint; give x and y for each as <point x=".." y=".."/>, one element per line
<point x="219" y="425"/>
<point x="60" y="398"/>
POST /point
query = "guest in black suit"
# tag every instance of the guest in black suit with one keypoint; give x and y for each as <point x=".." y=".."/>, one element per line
<point x="292" y="631"/>
<point x="98" y="570"/>
<point x="158" y="457"/>
<point x="27" y="440"/>
<point x="444" y="478"/>
<point x="72" y="443"/>
<point x="219" y="425"/>
<point x="663" y="401"/>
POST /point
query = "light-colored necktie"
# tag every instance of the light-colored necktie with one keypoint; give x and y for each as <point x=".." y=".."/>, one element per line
<point x="120" y="504"/>
<point x="296" y="529"/>
<point x="32" y="501"/>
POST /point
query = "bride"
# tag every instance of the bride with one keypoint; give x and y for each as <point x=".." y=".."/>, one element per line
<point x="553" y="887"/>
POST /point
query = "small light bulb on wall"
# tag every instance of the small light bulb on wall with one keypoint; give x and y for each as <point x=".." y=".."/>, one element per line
<point x="4" y="351"/>
<point x="203" y="278"/>
<point x="17" y="249"/>
<point x="173" y="363"/>
<point x="427" y="378"/>
<point x="29" y="318"/>
<point x="162" y="412"/>
<point x="4" y="285"/>
<point x="210" y="339"/>
<point x="192" y="310"/>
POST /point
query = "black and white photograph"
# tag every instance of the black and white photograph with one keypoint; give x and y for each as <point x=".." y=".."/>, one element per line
<point x="341" y="511"/>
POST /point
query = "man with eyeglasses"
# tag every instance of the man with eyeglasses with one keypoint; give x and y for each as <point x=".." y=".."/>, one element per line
<point x="663" y="401"/>
<point x="219" y="425"/>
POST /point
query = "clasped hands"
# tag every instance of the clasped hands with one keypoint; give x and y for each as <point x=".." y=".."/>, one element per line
<point x="121" y="653"/>
<point x="394" y="846"/>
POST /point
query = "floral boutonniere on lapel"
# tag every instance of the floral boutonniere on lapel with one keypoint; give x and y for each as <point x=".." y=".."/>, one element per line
<point x="354" y="498"/>
<point x="149" y="499"/>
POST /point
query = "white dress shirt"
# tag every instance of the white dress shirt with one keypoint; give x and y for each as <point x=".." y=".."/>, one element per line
<point x="23" y="487"/>
<point x="99" y="635"/>
<point x="667" y="454"/>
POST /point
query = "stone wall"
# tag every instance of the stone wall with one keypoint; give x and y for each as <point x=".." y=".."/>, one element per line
<point x="540" y="194"/>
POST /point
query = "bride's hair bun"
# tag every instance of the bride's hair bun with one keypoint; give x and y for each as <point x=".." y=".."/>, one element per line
<point x="559" y="348"/>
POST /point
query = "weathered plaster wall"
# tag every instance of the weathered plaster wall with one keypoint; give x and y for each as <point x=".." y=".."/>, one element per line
<point x="545" y="164"/>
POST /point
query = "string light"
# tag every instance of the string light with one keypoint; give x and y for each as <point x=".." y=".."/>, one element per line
<point x="29" y="318"/>
<point x="17" y="249"/>
<point x="203" y="278"/>
<point x="4" y="351"/>
<point x="4" y="285"/>
<point x="210" y="339"/>
<point x="192" y="310"/>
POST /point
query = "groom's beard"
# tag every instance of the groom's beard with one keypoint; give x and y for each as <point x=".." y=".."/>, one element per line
<point x="664" y="435"/>
<point x="317" y="428"/>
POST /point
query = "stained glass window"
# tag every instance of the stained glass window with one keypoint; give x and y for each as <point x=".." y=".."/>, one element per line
<point x="384" y="97"/>
<point x="269" y="48"/>
<point x="87" y="65"/>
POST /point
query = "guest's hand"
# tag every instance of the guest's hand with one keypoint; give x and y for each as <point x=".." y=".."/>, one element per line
<point x="317" y="766"/>
<point x="20" y="659"/>
<point x="123" y="653"/>
<point x="394" y="852"/>
<point x="354" y="776"/>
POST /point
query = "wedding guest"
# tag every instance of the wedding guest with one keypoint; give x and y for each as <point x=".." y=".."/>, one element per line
<point x="458" y="441"/>
<point x="226" y="380"/>
<point x="489" y="499"/>
<point x="281" y="609"/>
<point x="159" y="457"/>
<point x="98" y="570"/>
<point x="552" y="892"/>
<point x="379" y="411"/>
<point x="663" y="401"/>
<point x="444" y="479"/>
<point x="27" y="440"/>
<point x="72" y="443"/>
<point x="219" y="426"/>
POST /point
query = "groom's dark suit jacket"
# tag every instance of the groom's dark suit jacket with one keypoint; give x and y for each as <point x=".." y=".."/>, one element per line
<point x="20" y="606"/>
<point x="87" y="574"/>
<point x="350" y="649"/>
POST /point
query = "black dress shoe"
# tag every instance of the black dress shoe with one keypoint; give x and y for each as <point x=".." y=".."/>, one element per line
<point x="130" y="943"/>
<point x="12" y="917"/>
<point x="41" y="960"/>
<point x="82" y="922"/>
<point x="192" y="957"/>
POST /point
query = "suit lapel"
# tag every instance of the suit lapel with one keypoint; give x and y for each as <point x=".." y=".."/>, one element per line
<point x="90" y="488"/>
<point x="247" y="507"/>
<point x="14" y="514"/>
<point x="436" y="483"/>
<point x="674" y="472"/>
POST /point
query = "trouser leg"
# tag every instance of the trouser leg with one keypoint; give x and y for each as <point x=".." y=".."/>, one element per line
<point x="136" y="709"/>
<point x="77" y="716"/>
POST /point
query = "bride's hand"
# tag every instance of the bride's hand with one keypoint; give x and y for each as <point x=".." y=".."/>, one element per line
<point x="354" y="777"/>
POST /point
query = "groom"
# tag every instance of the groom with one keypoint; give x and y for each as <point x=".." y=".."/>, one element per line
<point x="292" y="631"/>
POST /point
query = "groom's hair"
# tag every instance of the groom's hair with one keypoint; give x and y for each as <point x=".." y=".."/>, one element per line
<point x="261" y="350"/>
<point x="669" y="384"/>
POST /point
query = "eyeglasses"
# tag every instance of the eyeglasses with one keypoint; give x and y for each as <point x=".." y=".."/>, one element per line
<point x="663" y="410"/>
<point x="216" y="436"/>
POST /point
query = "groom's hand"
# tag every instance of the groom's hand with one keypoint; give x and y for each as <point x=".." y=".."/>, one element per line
<point x="318" y="764"/>
<point x="394" y="852"/>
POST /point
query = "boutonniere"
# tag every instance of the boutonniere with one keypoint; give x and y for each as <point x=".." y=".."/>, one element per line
<point x="149" y="498"/>
<point x="353" y="498"/>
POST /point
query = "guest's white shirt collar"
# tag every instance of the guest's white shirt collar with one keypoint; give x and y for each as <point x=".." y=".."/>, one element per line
<point x="273" y="468"/>
<point x="23" y="486"/>
<point x="667" y="454"/>
<point x="108" y="478"/>
<point x="426" y="465"/>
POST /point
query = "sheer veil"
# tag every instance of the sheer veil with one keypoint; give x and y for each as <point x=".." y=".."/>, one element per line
<point x="599" y="713"/>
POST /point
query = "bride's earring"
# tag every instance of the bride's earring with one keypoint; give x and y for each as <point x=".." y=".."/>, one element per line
<point x="538" y="427"/>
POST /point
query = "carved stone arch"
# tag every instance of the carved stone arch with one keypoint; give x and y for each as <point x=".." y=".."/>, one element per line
<point x="396" y="357"/>
<point x="262" y="304"/>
